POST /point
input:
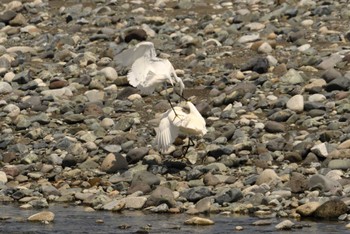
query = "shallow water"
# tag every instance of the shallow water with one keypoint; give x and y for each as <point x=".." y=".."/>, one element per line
<point x="69" y="219"/>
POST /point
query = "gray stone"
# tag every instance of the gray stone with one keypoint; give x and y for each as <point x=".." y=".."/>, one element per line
<point x="324" y="184"/>
<point x="161" y="195"/>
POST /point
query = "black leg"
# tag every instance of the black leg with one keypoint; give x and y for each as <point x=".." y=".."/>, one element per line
<point x="181" y="96"/>
<point x="190" y="143"/>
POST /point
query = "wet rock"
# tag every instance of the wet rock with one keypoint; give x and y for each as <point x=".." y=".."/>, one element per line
<point x="307" y="209"/>
<point x="285" y="225"/>
<point x="199" y="221"/>
<point x="44" y="216"/>
<point x="331" y="209"/>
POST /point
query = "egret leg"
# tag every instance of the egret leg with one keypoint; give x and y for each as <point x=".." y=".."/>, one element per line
<point x="180" y="95"/>
<point x="190" y="143"/>
<point x="172" y="107"/>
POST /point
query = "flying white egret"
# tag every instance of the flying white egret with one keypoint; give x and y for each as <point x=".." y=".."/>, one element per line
<point x="147" y="70"/>
<point x="179" y="120"/>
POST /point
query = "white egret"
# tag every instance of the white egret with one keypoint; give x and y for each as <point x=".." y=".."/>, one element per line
<point x="147" y="70"/>
<point x="179" y="120"/>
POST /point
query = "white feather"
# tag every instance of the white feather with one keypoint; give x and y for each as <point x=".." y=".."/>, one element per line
<point x="176" y="121"/>
<point x="147" y="70"/>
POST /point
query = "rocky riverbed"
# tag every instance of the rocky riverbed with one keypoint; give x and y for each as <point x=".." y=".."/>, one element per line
<point x="270" y="77"/>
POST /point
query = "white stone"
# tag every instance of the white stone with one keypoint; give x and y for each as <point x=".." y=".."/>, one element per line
<point x="12" y="110"/>
<point x="23" y="49"/>
<point x="284" y="225"/>
<point x="307" y="22"/>
<point x="134" y="202"/>
<point x="317" y="98"/>
<point x="304" y="47"/>
<point x="3" y="177"/>
<point x="107" y="123"/>
<point x="249" y="38"/>
<point x="110" y="73"/>
<point x="265" y="48"/>
<point x="42" y="216"/>
<point x="94" y="95"/>
<point x="296" y="103"/>
<point x="134" y="97"/>
<point x="5" y="88"/>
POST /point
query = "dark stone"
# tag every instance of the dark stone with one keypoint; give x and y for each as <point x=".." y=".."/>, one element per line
<point x="74" y="118"/>
<point x="277" y="144"/>
<point x="294" y="36"/>
<point x="23" y="77"/>
<point x="259" y="65"/>
<point x="93" y="109"/>
<point x="161" y="195"/>
<point x="274" y="127"/>
<point x="293" y="157"/>
<point x="136" y="154"/>
<point x="314" y="105"/>
<point x="135" y="34"/>
<point x="139" y="186"/>
<point x="331" y="209"/>
<point x="341" y="83"/>
<point x="331" y="74"/>
<point x="6" y="16"/>
<point x="210" y="180"/>
<point x="298" y="182"/>
<point x="193" y="174"/>
<point x="195" y="194"/>
<point x="145" y="177"/>
<point x="280" y="116"/>
<point x="56" y="84"/>
<point x="231" y="195"/>
<point x="69" y="161"/>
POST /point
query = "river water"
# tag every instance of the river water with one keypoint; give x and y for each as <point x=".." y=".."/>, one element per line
<point x="70" y="219"/>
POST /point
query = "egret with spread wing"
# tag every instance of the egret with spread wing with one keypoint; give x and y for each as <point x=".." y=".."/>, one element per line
<point x="179" y="120"/>
<point x="147" y="70"/>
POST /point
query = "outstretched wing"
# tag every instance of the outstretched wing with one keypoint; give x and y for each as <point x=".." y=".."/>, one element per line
<point x="166" y="132"/>
<point x="129" y="56"/>
<point x="139" y="71"/>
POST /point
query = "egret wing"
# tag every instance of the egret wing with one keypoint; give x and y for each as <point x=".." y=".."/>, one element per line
<point x="166" y="132"/>
<point x="127" y="57"/>
<point x="139" y="71"/>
